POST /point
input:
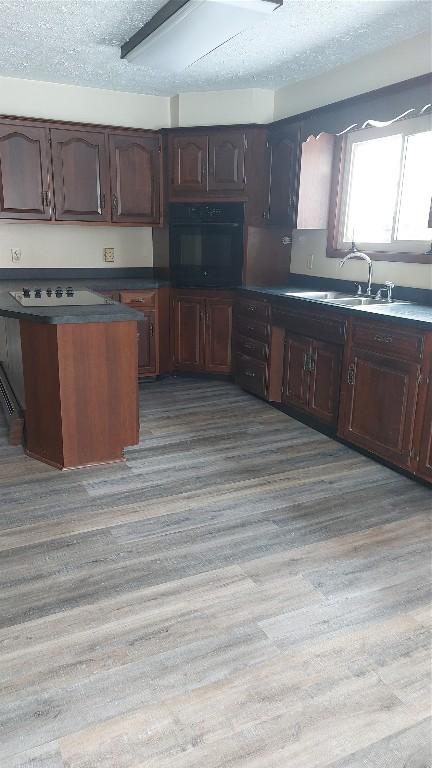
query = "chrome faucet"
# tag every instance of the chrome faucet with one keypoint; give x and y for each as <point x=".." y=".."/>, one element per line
<point x="354" y="253"/>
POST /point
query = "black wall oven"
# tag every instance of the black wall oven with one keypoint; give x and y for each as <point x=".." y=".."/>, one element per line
<point x="206" y="244"/>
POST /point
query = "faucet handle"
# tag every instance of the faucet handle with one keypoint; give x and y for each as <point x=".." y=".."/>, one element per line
<point x="389" y="284"/>
<point x="359" y="289"/>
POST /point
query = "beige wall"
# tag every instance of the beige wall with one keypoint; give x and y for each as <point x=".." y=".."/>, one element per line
<point x="31" y="98"/>
<point x="58" y="245"/>
<point x="249" y="105"/>
<point x="391" y="65"/>
<point x="313" y="242"/>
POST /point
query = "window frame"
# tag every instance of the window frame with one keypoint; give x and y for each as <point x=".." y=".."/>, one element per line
<point x="339" y="196"/>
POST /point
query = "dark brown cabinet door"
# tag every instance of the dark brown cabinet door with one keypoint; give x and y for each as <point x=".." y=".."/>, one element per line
<point x="296" y="371"/>
<point x="189" y="164"/>
<point x="135" y="163"/>
<point x="379" y="398"/>
<point x="80" y="175"/>
<point x="425" y="459"/>
<point x="146" y="343"/>
<point x="227" y="162"/>
<point x="325" y="374"/>
<point x="218" y="335"/>
<point x="188" y="333"/>
<point x="24" y="172"/>
<point x="284" y="155"/>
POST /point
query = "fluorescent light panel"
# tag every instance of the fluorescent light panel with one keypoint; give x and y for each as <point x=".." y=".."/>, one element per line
<point x="197" y="28"/>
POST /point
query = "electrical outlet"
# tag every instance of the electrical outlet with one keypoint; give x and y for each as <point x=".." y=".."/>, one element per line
<point x="310" y="261"/>
<point x="16" y="254"/>
<point x="108" y="254"/>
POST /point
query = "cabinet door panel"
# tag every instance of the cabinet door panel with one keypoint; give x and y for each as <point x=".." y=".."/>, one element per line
<point x="188" y="324"/>
<point x="325" y="381"/>
<point x="379" y="403"/>
<point x="146" y="343"/>
<point x="24" y="172"/>
<point x="296" y="376"/>
<point x="226" y="162"/>
<point x="189" y="164"/>
<point x="80" y="175"/>
<point x="135" y="178"/>
<point x="425" y="463"/>
<point x="284" y="177"/>
<point x="218" y="336"/>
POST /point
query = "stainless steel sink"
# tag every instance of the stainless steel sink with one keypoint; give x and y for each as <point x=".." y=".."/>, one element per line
<point x="318" y="295"/>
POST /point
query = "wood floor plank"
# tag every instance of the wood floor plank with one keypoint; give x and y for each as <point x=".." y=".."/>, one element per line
<point x="241" y="592"/>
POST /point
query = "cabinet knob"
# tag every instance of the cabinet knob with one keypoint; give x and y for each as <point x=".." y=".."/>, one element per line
<point x="114" y="202"/>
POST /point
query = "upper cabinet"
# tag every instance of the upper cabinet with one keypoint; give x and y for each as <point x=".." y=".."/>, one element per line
<point x="210" y="165"/>
<point x="227" y="162"/>
<point x="81" y="181"/>
<point x="70" y="173"/>
<point x="189" y="164"/>
<point x="135" y="166"/>
<point x="283" y="176"/>
<point x="24" y="172"/>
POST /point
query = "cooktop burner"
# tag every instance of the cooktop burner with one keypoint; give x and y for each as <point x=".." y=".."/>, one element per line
<point x="58" y="297"/>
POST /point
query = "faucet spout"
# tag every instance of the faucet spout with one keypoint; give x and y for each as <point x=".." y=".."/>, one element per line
<point x="354" y="253"/>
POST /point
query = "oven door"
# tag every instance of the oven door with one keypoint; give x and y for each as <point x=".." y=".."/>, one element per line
<point x="206" y="254"/>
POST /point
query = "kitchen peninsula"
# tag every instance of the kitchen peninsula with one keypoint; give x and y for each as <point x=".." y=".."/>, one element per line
<point x="71" y="362"/>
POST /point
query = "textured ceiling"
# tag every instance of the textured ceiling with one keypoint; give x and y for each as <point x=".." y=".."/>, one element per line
<point x="77" y="42"/>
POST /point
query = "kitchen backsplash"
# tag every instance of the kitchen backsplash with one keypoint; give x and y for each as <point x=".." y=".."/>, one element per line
<point x="308" y="257"/>
<point x="71" y="245"/>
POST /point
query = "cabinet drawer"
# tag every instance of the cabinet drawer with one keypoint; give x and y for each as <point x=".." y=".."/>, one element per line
<point x="388" y="340"/>
<point x="253" y="309"/>
<point x="143" y="298"/>
<point x="258" y="350"/>
<point x="251" y="328"/>
<point x="315" y="326"/>
<point x="251" y="375"/>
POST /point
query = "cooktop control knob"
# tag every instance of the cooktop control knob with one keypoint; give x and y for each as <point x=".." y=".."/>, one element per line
<point x="26" y="293"/>
<point x="38" y="293"/>
<point x="59" y="292"/>
<point x="70" y="292"/>
<point x="49" y="292"/>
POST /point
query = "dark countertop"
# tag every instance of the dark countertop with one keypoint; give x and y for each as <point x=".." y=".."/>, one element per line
<point x="99" y="313"/>
<point x="407" y="312"/>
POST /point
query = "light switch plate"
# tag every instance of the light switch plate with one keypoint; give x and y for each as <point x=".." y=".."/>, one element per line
<point x="109" y="254"/>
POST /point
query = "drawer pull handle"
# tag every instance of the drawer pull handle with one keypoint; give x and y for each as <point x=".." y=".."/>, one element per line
<point x="250" y="374"/>
<point x="383" y="339"/>
<point x="251" y="308"/>
<point x="351" y="374"/>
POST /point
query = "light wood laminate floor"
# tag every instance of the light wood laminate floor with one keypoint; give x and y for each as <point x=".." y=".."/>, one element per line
<point x="241" y="592"/>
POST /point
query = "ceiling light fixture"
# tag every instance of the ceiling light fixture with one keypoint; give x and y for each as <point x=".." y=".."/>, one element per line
<point x="184" y="31"/>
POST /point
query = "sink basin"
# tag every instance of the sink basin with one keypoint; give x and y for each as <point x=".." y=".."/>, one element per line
<point x="318" y="295"/>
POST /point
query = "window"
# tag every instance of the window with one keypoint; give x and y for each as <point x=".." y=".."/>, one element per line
<point x="385" y="189"/>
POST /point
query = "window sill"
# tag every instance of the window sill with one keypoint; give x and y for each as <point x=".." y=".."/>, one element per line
<point x="402" y="256"/>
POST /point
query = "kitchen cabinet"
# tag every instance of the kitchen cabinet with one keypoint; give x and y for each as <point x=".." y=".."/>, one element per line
<point x="425" y="456"/>
<point x="80" y="170"/>
<point x="135" y="168"/>
<point x="283" y="176"/>
<point x="251" y="341"/>
<point x="153" y="329"/>
<point x="201" y="327"/>
<point x="208" y="166"/>
<point x="218" y="333"/>
<point x="189" y="164"/>
<point x="381" y="378"/>
<point x="25" y="189"/>
<point x="311" y="378"/>
<point x="227" y="162"/>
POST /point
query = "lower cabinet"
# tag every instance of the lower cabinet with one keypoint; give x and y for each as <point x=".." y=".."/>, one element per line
<point x="146" y="344"/>
<point x="311" y="378"/>
<point x="381" y="380"/>
<point x="201" y="331"/>
<point x="153" y="329"/>
<point x="425" y="454"/>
